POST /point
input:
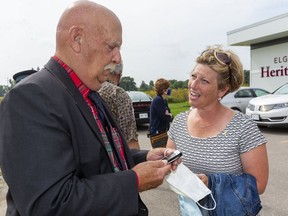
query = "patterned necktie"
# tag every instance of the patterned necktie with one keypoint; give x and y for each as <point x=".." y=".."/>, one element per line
<point x="96" y="100"/>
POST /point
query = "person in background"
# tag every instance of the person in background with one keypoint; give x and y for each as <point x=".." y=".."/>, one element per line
<point x="121" y="106"/>
<point x="21" y="75"/>
<point x="61" y="151"/>
<point x="160" y="114"/>
<point x="213" y="138"/>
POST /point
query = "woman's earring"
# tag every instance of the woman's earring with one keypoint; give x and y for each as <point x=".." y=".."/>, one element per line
<point x="219" y="98"/>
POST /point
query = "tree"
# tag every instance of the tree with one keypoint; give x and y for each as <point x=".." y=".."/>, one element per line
<point x="178" y="84"/>
<point x="128" y="84"/>
<point x="12" y="83"/>
<point x="246" y="78"/>
<point x="3" y="90"/>
<point x="151" y="85"/>
<point x="144" y="87"/>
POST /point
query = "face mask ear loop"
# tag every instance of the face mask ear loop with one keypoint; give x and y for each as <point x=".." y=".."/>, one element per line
<point x="209" y="209"/>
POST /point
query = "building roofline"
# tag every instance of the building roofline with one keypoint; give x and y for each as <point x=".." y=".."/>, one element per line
<point x="258" y="23"/>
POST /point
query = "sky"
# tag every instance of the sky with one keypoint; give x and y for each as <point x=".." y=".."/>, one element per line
<point x="161" y="38"/>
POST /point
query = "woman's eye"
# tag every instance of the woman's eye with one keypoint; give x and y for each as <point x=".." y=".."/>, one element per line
<point x="204" y="81"/>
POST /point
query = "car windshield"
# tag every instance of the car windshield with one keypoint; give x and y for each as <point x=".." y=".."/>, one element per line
<point x="139" y="96"/>
<point x="282" y="90"/>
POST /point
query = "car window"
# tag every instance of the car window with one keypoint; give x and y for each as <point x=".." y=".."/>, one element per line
<point x="243" y="93"/>
<point x="282" y="90"/>
<point x="139" y="96"/>
<point x="260" y="92"/>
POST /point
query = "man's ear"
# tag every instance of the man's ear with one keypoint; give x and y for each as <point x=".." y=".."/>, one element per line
<point x="75" y="38"/>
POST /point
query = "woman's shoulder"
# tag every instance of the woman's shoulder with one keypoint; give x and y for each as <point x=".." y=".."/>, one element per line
<point x="157" y="100"/>
<point x="242" y="116"/>
<point x="243" y="120"/>
<point x="182" y="115"/>
<point x="157" y="97"/>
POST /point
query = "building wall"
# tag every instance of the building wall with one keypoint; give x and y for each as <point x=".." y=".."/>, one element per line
<point x="268" y="41"/>
<point x="269" y="66"/>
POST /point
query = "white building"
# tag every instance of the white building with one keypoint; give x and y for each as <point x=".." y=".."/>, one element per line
<point x="268" y="41"/>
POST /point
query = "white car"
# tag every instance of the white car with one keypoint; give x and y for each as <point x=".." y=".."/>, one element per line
<point x="270" y="110"/>
<point x="239" y="99"/>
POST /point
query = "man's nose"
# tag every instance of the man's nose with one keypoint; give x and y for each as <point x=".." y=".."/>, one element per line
<point x="117" y="56"/>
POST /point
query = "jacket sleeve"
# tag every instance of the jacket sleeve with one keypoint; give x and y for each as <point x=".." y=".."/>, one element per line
<point x="160" y="107"/>
<point x="125" y="115"/>
<point x="233" y="194"/>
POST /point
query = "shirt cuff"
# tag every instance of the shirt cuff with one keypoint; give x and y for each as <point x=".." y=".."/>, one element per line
<point x="137" y="178"/>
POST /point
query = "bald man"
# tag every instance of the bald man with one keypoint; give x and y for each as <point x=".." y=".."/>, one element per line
<point x="61" y="152"/>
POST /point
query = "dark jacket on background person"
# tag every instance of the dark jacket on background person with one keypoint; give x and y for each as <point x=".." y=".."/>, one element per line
<point x="57" y="137"/>
<point x="158" y="120"/>
<point x="235" y="195"/>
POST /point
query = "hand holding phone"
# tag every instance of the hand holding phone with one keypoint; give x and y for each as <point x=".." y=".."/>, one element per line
<point x="172" y="157"/>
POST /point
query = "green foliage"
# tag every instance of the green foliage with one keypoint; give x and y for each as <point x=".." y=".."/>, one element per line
<point x="151" y="93"/>
<point x="177" y="108"/>
<point x="174" y="85"/>
<point x="128" y="84"/>
<point x="177" y="95"/>
<point x="177" y="101"/>
<point x="151" y="85"/>
<point x="143" y="87"/>
<point x="3" y="90"/>
<point x="246" y="78"/>
<point x="178" y="84"/>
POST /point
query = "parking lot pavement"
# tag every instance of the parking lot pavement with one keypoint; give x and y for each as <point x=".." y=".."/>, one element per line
<point x="3" y="191"/>
<point x="160" y="201"/>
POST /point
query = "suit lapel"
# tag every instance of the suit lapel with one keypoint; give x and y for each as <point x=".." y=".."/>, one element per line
<point x="62" y="76"/>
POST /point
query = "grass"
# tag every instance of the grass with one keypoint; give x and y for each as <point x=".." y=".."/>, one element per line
<point x="178" y="107"/>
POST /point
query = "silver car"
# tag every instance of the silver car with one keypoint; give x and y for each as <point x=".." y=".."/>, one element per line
<point x="239" y="99"/>
<point x="272" y="109"/>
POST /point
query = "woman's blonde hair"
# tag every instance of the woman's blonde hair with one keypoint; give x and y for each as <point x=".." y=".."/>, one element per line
<point x="227" y="65"/>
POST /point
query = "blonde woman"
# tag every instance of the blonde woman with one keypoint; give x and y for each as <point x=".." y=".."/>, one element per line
<point x="213" y="138"/>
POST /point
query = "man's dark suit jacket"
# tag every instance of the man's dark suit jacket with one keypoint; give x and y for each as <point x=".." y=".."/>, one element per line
<point x="52" y="154"/>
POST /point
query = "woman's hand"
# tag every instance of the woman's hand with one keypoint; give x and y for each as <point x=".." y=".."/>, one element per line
<point x="203" y="178"/>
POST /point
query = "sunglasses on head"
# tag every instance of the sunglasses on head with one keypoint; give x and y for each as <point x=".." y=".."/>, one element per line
<point x="221" y="56"/>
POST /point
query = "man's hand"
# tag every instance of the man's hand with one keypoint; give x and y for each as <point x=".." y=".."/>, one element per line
<point x="159" y="153"/>
<point x="151" y="173"/>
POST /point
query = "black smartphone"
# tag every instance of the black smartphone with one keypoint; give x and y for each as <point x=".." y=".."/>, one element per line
<point x="172" y="157"/>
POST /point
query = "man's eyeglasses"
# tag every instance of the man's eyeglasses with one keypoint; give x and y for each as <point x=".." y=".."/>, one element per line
<point x="221" y="56"/>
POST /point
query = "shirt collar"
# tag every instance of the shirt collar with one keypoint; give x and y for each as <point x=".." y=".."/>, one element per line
<point x="84" y="90"/>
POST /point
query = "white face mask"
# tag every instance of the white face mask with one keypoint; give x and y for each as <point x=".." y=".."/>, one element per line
<point x="184" y="182"/>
